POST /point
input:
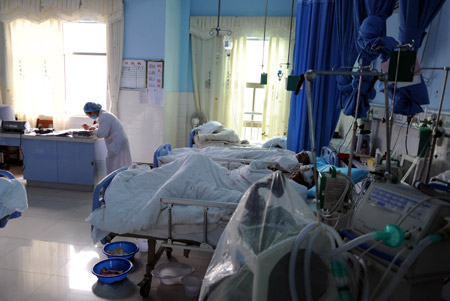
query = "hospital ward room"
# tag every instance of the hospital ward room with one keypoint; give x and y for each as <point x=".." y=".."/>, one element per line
<point x="224" y="150"/>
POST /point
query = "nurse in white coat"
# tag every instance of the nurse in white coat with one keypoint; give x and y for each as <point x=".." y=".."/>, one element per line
<point x="108" y="126"/>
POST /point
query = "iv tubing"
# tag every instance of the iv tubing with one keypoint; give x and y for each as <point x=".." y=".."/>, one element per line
<point x="312" y="135"/>
<point x="407" y="264"/>
<point x="386" y="273"/>
<point x="355" y="127"/>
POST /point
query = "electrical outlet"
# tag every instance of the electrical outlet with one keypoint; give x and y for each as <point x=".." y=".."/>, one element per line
<point x="378" y="112"/>
<point x="400" y="119"/>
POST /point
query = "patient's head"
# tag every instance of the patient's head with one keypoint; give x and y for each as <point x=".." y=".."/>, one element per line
<point x="304" y="157"/>
<point x="304" y="176"/>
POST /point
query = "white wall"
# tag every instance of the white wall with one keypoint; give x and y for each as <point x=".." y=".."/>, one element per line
<point x="179" y="107"/>
<point x="143" y="124"/>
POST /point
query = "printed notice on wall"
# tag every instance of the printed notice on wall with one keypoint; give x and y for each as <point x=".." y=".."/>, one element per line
<point x="133" y="74"/>
<point x="152" y="96"/>
<point x="155" y="74"/>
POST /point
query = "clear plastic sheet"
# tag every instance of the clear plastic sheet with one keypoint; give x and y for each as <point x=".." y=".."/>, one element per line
<point x="270" y="212"/>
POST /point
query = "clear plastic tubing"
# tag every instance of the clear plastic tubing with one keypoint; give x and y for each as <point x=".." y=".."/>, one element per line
<point x="407" y="264"/>
<point x="334" y="233"/>
<point x="307" y="263"/>
<point x="351" y="244"/>
<point x="293" y="258"/>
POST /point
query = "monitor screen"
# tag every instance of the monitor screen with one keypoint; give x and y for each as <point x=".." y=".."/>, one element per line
<point x="411" y="169"/>
<point x="405" y="168"/>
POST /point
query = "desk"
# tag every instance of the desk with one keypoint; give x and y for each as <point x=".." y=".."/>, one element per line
<point x="60" y="162"/>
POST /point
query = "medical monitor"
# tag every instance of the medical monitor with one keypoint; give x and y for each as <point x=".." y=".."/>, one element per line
<point x="6" y="113"/>
<point x="411" y="168"/>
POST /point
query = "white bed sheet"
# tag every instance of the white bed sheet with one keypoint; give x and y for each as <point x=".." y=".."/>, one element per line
<point x="133" y="197"/>
<point x="285" y="159"/>
<point x="13" y="196"/>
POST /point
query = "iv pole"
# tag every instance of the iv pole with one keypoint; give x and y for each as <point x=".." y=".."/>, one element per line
<point x="433" y="143"/>
<point x="355" y="125"/>
<point x="311" y="75"/>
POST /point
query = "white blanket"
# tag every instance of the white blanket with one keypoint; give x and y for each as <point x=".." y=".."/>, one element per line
<point x="133" y="197"/>
<point x="13" y="196"/>
<point x="285" y="159"/>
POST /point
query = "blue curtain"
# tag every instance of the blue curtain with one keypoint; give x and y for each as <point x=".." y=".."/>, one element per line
<point x="415" y="17"/>
<point x="371" y="37"/>
<point x="347" y="16"/>
<point x="316" y="47"/>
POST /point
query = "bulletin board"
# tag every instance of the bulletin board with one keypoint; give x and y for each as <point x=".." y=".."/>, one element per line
<point x="155" y="74"/>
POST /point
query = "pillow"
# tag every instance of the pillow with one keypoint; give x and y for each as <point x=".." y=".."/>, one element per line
<point x="321" y="163"/>
<point x="357" y="175"/>
<point x="210" y="127"/>
<point x="279" y="141"/>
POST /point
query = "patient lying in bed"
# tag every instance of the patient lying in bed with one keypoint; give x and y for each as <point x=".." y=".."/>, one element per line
<point x="133" y="197"/>
<point x="285" y="160"/>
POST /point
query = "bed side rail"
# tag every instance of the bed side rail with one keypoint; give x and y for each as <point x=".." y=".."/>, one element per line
<point x="162" y="150"/>
<point x="192" y="133"/>
<point x="329" y="154"/>
<point x="7" y="174"/>
<point x="101" y="187"/>
<point x="204" y="246"/>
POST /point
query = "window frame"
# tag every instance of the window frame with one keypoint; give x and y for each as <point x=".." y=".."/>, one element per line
<point x="81" y="53"/>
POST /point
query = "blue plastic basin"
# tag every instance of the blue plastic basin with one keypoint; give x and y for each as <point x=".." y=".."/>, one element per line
<point x="118" y="264"/>
<point x="128" y="247"/>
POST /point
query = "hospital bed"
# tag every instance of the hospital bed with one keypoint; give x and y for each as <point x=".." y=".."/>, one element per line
<point x="282" y="159"/>
<point x="328" y="159"/>
<point x="13" y="199"/>
<point x="165" y="149"/>
<point x="214" y="133"/>
<point x="170" y="232"/>
<point x="200" y="235"/>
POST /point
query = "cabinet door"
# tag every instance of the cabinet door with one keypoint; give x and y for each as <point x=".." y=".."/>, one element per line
<point x="76" y="162"/>
<point x="10" y="141"/>
<point x="40" y="160"/>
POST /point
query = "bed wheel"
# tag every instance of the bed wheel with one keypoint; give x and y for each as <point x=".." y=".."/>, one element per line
<point x="145" y="285"/>
<point x="169" y="253"/>
<point x="106" y="240"/>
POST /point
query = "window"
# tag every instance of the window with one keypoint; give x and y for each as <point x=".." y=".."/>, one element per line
<point x="255" y="93"/>
<point x="85" y="66"/>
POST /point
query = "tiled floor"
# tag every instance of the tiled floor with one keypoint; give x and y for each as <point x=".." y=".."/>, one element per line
<point x="47" y="254"/>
